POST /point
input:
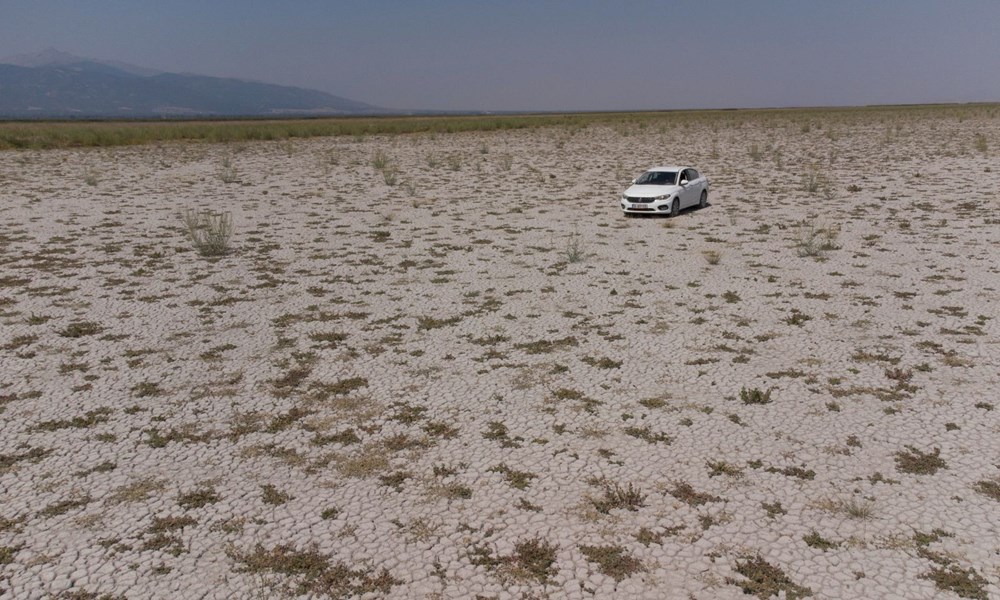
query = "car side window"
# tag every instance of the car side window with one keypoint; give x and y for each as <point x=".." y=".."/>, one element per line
<point x="686" y="175"/>
<point x="692" y="175"/>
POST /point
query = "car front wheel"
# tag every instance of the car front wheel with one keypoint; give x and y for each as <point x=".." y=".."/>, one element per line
<point x="675" y="208"/>
<point x="703" y="202"/>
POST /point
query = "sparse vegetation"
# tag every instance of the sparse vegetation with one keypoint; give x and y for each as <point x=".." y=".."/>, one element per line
<point x="79" y="329"/>
<point x="980" y="143"/>
<point x="755" y="396"/>
<point x="814" y="240"/>
<point x="534" y="558"/>
<point x="198" y="498"/>
<point x="687" y="494"/>
<point x="712" y="257"/>
<point x="917" y="462"/>
<point x="43" y="135"/>
<point x="227" y="171"/>
<point x="272" y="495"/>
<point x="613" y="561"/>
<point x="814" y="180"/>
<point x="990" y="489"/>
<point x="764" y="580"/>
<point x="517" y="479"/>
<point x="209" y="232"/>
<point x="313" y="573"/>
<point x="815" y="540"/>
<point x="573" y="252"/>
<point x="616" y="497"/>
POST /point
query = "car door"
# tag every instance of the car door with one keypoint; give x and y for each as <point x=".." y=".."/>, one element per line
<point x="690" y="190"/>
<point x="699" y="183"/>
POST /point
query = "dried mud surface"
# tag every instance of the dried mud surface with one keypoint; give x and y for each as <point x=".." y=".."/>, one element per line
<point x="484" y="381"/>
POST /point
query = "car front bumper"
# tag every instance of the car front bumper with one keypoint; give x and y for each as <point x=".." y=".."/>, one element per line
<point x="662" y="206"/>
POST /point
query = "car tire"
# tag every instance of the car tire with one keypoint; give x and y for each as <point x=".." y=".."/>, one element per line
<point x="675" y="208"/>
<point x="703" y="202"/>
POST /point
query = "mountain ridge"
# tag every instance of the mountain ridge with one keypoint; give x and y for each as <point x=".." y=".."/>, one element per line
<point x="56" y="84"/>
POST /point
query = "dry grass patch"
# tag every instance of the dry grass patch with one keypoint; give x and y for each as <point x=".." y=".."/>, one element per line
<point x="613" y="561"/>
<point x="966" y="583"/>
<point x="532" y="559"/>
<point x="319" y="390"/>
<point x="311" y="573"/>
<point x="917" y="462"/>
<point x="516" y="479"/>
<point x="78" y="329"/>
<point x="755" y="396"/>
<point x="646" y="434"/>
<point x="64" y="506"/>
<point x="766" y="581"/>
<point x="89" y="419"/>
<point x="198" y="498"/>
<point x="7" y="554"/>
<point x="814" y="240"/>
<point x="209" y="232"/>
<point x="627" y="498"/>
<point x="365" y="463"/>
<point x="270" y="494"/>
<point x="8" y="461"/>
<point x="547" y="346"/>
<point x="138" y="491"/>
<point x="988" y="488"/>
<point x="687" y="494"/>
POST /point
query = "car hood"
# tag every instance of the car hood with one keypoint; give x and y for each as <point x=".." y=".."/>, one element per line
<point x="651" y="191"/>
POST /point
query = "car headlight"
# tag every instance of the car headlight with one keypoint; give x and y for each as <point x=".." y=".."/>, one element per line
<point x="663" y="197"/>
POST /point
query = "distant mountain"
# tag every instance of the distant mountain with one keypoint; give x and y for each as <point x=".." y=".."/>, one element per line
<point x="54" y="84"/>
<point x="50" y="57"/>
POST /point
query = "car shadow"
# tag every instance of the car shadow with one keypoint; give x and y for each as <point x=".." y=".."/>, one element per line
<point x="663" y="215"/>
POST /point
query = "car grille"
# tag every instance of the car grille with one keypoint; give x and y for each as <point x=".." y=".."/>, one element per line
<point x="642" y="200"/>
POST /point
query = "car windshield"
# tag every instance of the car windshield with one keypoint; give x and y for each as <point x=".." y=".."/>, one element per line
<point x="657" y="178"/>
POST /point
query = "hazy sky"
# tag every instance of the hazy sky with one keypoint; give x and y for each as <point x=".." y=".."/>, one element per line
<point x="546" y="55"/>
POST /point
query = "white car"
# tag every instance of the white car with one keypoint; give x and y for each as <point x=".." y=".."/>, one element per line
<point x="666" y="190"/>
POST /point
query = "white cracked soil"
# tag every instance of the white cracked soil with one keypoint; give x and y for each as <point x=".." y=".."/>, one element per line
<point x="484" y="381"/>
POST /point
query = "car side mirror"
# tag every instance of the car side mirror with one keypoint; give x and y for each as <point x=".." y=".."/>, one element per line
<point x="634" y="180"/>
<point x="684" y="181"/>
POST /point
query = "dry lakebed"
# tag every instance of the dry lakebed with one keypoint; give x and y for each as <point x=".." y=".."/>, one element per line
<point x="446" y="365"/>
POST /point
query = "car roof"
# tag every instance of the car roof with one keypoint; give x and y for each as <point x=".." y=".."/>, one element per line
<point x="667" y="168"/>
